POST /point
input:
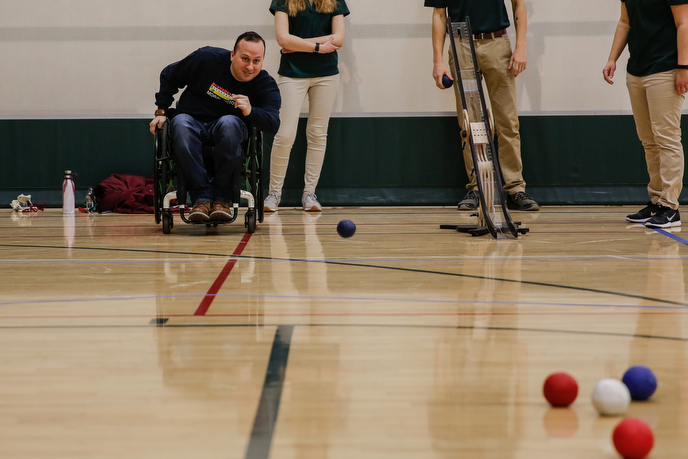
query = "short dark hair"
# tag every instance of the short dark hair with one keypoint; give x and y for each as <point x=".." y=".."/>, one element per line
<point x="249" y="36"/>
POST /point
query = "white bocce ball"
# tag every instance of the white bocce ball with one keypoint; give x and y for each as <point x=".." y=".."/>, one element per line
<point x="611" y="397"/>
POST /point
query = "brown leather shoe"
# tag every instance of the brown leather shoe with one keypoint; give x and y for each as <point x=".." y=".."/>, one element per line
<point x="221" y="212"/>
<point x="200" y="212"/>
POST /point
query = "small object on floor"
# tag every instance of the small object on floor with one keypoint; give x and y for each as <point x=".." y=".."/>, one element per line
<point x="633" y="438"/>
<point x="560" y="389"/>
<point x="610" y="397"/>
<point x="641" y="382"/>
<point x="346" y="228"/>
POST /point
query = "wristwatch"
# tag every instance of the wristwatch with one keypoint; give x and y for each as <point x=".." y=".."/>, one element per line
<point x="317" y="48"/>
<point x="161" y="112"/>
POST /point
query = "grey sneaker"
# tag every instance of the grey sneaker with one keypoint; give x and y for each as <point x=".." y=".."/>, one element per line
<point x="470" y="201"/>
<point x="644" y="214"/>
<point x="666" y="218"/>
<point x="522" y="201"/>
<point x="271" y="203"/>
<point x="310" y="203"/>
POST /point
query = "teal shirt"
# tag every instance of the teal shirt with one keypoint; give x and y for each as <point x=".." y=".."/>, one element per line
<point x="652" y="37"/>
<point x="485" y="15"/>
<point x="308" y="24"/>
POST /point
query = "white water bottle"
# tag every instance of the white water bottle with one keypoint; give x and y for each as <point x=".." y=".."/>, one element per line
<point x="68" y="203"/>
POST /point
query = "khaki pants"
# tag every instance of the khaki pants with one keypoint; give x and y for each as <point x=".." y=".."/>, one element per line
<point x="321" y="93"/>
<point x="657" y="112"/>
<point x="493" y="59"/>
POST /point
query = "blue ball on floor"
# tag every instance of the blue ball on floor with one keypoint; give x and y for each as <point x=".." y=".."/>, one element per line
<point x="447" y="82"/>
<point x="346" y="228"/>
<point x="641" y="382"/>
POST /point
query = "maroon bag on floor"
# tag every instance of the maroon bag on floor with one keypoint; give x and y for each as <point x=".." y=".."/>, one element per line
<point x="126" y="194"/>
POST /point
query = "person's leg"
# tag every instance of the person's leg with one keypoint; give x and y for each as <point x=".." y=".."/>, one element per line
<point x="665" y="104"/>
<point x="321" y="97"/>
<point x="226" y="134"/>
<point x="187" y="136"/>
<point x="641" y="116"/>
<point x="467" y="156"/>
<point x="493" y="58"/>
<point x="293" y="91"/>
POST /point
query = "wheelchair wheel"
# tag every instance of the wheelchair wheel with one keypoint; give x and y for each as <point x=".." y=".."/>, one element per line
<point x="250" y="222"/>
<point x="254" y="171"/>
<point x="167" y="222"/>
<point x="157" y="175"/>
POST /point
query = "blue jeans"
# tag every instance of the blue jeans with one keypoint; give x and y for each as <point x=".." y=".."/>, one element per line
<point x="208" y="155"/>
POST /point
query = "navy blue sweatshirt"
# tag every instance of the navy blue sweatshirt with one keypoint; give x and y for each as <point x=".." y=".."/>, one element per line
<point x="208" y="80"/>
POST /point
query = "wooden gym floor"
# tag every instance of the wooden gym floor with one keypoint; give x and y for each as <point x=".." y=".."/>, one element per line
<point x="405" y="341"/>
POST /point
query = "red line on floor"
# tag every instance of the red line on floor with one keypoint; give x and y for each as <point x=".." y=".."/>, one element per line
<point x="221" y="278"/>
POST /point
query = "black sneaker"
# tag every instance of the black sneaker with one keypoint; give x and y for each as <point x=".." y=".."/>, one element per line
<point x="470" y="201"/>
<point x="666" y="218"/>
<point x="522" y="201"/>
<point x="644" y="214"/>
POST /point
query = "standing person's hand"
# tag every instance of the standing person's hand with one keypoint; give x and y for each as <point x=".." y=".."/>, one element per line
<point x="517" y="63"/>
<point x="328" y="46"/>
<point x="608" y="72"/>
<point x="682" y="81"/>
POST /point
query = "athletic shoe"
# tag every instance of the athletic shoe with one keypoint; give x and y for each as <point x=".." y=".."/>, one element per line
<point x="221" y="212"/>
<point x="200" y="212"/>
<point x="470" y="201"/>
<point x="666" y="218"/>
<point x="644" y="214"/>
<point x="271" y="203"/>
<point x="310" y="203"/>
<point x="522" y="201"/>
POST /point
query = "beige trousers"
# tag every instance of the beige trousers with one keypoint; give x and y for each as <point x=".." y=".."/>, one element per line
<point x="493" y="57"/>
<point x="657" y="112"/>
<point x="321" y="93"/>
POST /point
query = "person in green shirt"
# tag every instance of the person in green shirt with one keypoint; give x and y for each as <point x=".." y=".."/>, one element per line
<point x="656" y="32"/>
<point x="310" y="32"/>
<point x="500" y="66"/>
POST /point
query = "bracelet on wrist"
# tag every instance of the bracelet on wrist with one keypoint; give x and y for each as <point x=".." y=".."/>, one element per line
<point x="317" y="48"/>
<point x="682" y="67"/>
<point x="161" y="112"/>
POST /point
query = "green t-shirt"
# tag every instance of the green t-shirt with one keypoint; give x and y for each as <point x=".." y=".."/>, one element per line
<point x="485" y="15"/>
<point x="652" y="37"/>
<point x="308" y="24"/>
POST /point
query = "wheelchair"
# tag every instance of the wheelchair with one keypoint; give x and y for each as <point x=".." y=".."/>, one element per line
<point x="168" y="183"/>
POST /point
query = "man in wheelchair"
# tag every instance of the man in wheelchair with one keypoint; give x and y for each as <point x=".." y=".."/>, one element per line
<point x="224" y="90"/>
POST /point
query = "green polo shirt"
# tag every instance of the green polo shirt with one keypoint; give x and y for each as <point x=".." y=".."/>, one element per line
<point x="652" y="37"/>
<point x="308" y="24"/>
<point x="485" y="15"/>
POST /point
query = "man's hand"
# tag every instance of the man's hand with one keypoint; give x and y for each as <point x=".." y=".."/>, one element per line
<point x="438" y="71"/>
<point x="682" y="81"/>
<point x="517" y="63"/>
<point x="157" y="123"/>
<point x="242" y="103"/>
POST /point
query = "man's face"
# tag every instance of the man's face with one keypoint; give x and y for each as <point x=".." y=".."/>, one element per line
<point x="247" y="60"/>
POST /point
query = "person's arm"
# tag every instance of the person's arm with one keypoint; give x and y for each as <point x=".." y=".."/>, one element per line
<point x="681" y="19"/>
<point x="439" y="32"/>
<point x="618" y="45"/>
<point x="265" y="112"/>
<point x="172" y="78"/>
<point x="293" y="43"/>
<point x="517" y="63"/>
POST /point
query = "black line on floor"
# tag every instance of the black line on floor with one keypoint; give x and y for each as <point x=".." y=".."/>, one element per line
<point x="393" y="268"/>
<point x="268" y="407"/>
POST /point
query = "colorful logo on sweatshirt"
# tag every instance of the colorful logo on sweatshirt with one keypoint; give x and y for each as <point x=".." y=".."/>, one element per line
<point x="217" y="92"/>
